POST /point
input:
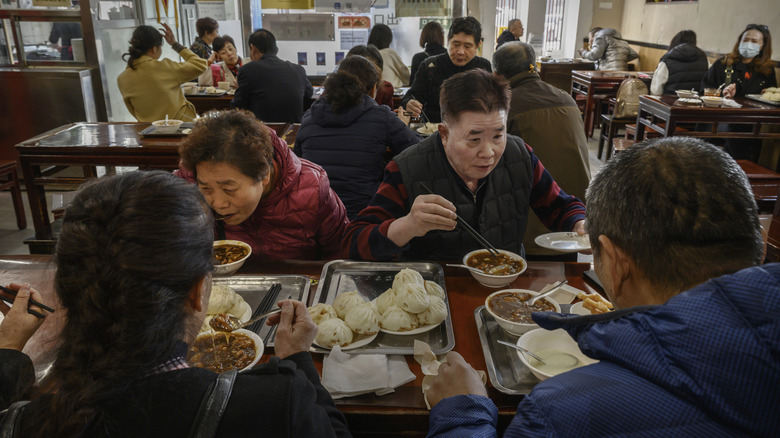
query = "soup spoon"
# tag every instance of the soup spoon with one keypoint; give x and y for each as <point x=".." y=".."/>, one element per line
<point x="536" y="298"/>
<point x="455" y="265"/>
<point x="223" y="322"/>
<point x="521" y="349"/>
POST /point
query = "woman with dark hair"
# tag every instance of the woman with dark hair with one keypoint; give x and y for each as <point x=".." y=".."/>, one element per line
<point x="384" y="91"/>
<point x="225" y="47"/>
<point x="150" y="87"/>
<point x="432" y="42"/>
<point x="261" y="193"/>
<point x="682" y="67"/>
<point x="134" y="262"/>
<point x="394" y="70"/>
<point x="348" y="134"/>
<point x="207" y="29"/>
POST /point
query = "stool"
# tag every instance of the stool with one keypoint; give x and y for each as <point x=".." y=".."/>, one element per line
<point x="609" y="128"/>
<point x="599" y="101"/>
<point x="619" y="145"/>
<point x="9" y="179"/>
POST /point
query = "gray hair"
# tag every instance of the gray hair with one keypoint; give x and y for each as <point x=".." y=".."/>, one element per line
<point x="511" y="22"/>
<point x="680" y="208"/>
<point x="513" y="58"/>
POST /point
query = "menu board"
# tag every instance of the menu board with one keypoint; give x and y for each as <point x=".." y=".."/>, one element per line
<point x="48" y="3"/>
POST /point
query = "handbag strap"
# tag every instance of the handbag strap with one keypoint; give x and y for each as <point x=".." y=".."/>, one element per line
<point x="11" y="419"/>
<point x="213" y="405"/>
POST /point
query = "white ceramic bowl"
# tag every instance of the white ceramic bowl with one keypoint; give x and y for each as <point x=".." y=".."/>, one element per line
<point x="712" y="101"/>
<point x="541" y="340"/>
<point x="517" y="328"/>
<point x="259" y="346"/>
<point x="230" y="268"/>
<point x="686" y="93"/>
<point x="495" y="280"/>
<point x="169" y="128"/>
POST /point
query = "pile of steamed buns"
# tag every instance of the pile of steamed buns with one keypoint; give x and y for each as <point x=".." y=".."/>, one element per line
<point x="411" y="303"/>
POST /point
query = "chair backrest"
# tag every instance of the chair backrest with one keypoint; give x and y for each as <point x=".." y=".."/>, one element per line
<point x="627" y="97"/>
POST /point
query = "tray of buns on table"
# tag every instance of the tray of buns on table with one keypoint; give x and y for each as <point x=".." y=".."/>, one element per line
<point x="381" y="308"/>
<point x="771" y="96"/>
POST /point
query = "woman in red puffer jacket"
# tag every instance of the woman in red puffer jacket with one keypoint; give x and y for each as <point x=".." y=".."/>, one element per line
<point x="260" y="192"/>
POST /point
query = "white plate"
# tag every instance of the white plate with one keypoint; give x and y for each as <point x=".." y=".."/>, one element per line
<point x="579" y="309"/>
<point x="563" y="242"/>
<point x="358" y="341"/>
<point x="217" y="93"/>
<point x="417" y="331"/>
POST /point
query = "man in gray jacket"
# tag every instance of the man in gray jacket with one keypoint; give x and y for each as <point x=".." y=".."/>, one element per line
<point x="608" y="49"/>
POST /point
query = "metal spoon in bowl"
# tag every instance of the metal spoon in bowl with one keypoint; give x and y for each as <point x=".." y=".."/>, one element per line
<point x="478" y="271"/>
<point x="536" y="298"/>
<point x="521" y="349"/>
<point x="222" y="322"/>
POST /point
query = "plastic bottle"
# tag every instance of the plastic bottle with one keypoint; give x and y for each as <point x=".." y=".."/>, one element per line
<point x="216" y="74"/>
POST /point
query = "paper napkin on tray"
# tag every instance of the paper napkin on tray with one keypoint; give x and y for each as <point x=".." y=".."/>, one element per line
<point x="429" y="364"/>
<point x="345" y="375"/>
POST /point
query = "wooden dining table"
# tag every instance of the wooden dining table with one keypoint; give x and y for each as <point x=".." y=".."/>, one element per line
<point x="205" y="102"/>
<point x="400" y="413"/>
<point x="558" y="72"/>
<point x="589" y="83"/>
<point x="664" y="114"/>
<point x="87" y="145"/>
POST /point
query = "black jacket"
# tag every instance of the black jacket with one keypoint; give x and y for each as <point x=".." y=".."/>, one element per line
<point x="505" y="37"/>
<point x="432" y="73"/>
<point x="687" y="65"/>
<point x="747" y="80"/>
<point x="418" y="58"/>
<point x="273" y="89"/>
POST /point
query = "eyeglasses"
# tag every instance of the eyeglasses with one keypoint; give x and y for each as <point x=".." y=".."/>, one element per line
<point x="757" y="26"/>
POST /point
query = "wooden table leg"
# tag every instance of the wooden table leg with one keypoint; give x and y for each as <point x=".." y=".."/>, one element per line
<point x="37" y="198"/>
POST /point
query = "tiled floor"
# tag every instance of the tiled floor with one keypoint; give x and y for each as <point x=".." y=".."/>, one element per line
<point x="12" y="239"/>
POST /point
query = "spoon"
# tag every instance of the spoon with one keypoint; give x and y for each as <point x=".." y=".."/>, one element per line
<point x="455" y="265"/>
<point x="223" y="322"/>
<point x="521" y="349"/>
<point x="536" y="298"/>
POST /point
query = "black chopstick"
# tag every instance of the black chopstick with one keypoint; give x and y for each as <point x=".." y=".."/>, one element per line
<point x="488" y="246"/>
<point x="422" y="112"/>
<point x="32" y="301"/>
<point x="30" y="311"/>
<point x="268" y="301"/>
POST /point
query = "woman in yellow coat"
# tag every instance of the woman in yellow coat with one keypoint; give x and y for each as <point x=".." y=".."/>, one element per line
<point x="151" y="88"/>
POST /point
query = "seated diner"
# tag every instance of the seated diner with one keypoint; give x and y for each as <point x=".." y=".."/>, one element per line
<point x="225" y="47"/>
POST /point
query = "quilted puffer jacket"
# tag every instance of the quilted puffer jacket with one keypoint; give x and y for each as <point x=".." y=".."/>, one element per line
<point x="610" y="51"/>
<point x="302" y="218"/>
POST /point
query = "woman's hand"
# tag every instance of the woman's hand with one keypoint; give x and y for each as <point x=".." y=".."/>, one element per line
<point x="296" y="330"/>
<point x="18" y="326"/>
<point x="168" y="34"/>
<point x="730" y="91"/>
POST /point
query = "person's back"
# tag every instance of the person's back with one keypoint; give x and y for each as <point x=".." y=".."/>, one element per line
<point x="687" y="65"/>
<point x="610" y="51"/>
<point x="273" y="89"/>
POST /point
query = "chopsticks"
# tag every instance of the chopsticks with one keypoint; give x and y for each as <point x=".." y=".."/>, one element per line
<point x="268" y="301"/>
<point x="422" y="112"/>
<point x="32" y="301"/>
<point x="488" y="246"/>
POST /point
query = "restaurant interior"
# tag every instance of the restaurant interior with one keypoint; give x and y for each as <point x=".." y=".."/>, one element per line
<point x="44" y="94"/>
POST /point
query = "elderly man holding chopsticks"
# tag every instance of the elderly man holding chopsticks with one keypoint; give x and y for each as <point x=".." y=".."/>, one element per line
<point x="470" y="169"/>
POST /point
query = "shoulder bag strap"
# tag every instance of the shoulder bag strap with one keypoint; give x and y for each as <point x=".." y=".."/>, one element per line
<point x="213" y="405"/>
<point x="11" y="420"/>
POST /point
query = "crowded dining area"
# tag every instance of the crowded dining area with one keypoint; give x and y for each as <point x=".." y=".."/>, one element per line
<point x="395" y="218"/>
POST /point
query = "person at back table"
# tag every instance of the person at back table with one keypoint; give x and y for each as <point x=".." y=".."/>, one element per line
<point x="134" y="273"/>
<point x="348" y="133"/>
<point x="432" y="42"/>
<point x="463" y="41"/>
<point x="490" y="179"/>
<point x="225" y="47"/>
<point x="207" y="29"/>
<point x="394" y="69"/>
<point x="513" y="32"/>
<point x="693" y="347"/>
<point x="548" y="119"/>
<point x="682" y="67"/>
<point x="384" y="91"/>
<point x="608" y="49"/>
<point x="273" y="89"/>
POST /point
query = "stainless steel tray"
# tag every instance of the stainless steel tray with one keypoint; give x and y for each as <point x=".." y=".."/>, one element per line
<point x="507" y="373"/>
<point x="371" y="279"/>
<point x="758" y="98"/>
<point x="253" y="288"/>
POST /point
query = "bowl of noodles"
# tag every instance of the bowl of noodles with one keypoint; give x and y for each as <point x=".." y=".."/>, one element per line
<point x="229" y="256"/>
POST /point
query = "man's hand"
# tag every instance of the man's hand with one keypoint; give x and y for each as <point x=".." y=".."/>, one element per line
<point x="429" y="212"/>
<point x="400" y="112"/>
<point x="730" y="91"/>
<point x="579" y="228"/>
<point x="168" y="34"/>
<point x="296" y="330"/>
<point x="18" y="326"/>
<point x="456" y="377"/>
<point x="414" y="107"/>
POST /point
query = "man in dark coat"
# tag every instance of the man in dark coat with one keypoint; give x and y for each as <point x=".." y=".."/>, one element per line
<point x="513" y="32"/>
<point x="273" y="89"/>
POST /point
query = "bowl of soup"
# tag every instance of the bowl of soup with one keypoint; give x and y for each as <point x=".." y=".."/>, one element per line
<point x="229" y="255"/>
<point x="495" y="271"/>
<point x="224" y="351"/>
<point x="508" y="307"/>
<point x="556" y="348"/>
<point x="166" y="126"/>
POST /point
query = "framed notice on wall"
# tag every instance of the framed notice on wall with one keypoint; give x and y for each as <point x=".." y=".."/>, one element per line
<point x="213" y="9"/>
<point x="48" y="3"/>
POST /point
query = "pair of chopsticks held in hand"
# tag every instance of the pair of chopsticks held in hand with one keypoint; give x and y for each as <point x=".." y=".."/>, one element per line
<point x="32" y="302"/>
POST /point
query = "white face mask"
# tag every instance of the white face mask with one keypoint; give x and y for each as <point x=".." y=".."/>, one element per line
<point x="749" y="50"/>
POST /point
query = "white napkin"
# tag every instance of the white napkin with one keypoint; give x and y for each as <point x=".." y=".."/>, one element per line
<point x="731" y="103"/>
<point x="430" y="364"/>
<point x="345" y="375"/>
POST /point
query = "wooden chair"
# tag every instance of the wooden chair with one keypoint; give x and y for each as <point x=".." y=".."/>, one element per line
<point x="609" y="129"/>
<point x="9" y="179"/>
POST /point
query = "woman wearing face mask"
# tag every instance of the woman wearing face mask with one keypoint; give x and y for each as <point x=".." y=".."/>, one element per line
<point x="748" y="69"/>
<point x="225" y="47"/>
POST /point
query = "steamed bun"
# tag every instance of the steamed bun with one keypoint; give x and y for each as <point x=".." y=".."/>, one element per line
<point x="397" y="320"/>
<point x="434" y="289"/>
<point x="363" y="319"/>
<point x="345" y="301"/>
<point x="321" y="311"/>
<point x="384" y="301"/>
<point x="405" y="277"/>
<point x="412" y="297"/>
<point x="332" y="332"/>
<point x="435" y="313"/>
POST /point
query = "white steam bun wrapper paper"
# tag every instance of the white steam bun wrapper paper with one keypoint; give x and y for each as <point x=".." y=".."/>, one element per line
<point x="345" y="301"/>
<point x="332" y="332"/>
<point x="363" y="319"/>
<point x="429" y="365"/>
<point x="321" y="312"/>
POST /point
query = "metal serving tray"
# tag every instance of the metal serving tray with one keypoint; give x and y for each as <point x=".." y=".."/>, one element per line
<point x="152" y="131"/>
<point x="253" y="288"/>
<point x="371" y="279"/>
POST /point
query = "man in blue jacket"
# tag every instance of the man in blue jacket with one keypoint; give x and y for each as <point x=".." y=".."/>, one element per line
<point x="694" y="347"/>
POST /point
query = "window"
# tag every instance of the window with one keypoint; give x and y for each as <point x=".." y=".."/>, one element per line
<point x="553" y="26"/>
